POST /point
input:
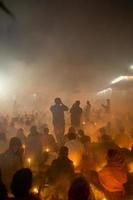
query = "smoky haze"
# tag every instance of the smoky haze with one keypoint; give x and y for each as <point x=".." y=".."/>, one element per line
<point x="70" y="47"/>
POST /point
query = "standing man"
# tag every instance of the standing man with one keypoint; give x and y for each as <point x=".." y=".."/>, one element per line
<point x="87" y="111"/>
<point x="76" y="113"/>
<point x="58" y="119"/>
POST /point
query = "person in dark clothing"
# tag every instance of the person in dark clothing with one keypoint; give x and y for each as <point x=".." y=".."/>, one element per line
<point x="11" y="160"/>
<point x="48" y="141"/>
<point x="58" y="119"/>
<point x="61" y="167"/>
<point x="80" y="189"/>
<point x="3" y="190"/>
<point x="21" y="185"/>
<point x="76" y="113"/>
<point x="87" y="111"/>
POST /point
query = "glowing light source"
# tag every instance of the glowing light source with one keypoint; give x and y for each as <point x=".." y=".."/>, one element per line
<point x="131" y="67"/>
<point x="29" y="162"/>
<point x="83" y="123"/>
<point x="23" y="146"/>
<point x="4" y="86"/>
<point x="120" y="78"/>
<point x="35" y="190"/>
<point x="75" y="164"/>
<point x="108" y="90"/>
<point x="47" y="150"/>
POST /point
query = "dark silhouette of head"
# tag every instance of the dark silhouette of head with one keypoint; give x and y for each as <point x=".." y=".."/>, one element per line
<point x="71" y="136"/>
<point x="115" y="156"/>
<point x="72" y="130"/>
<point x="21" y="183"/>
<point x="88" y="102"/>
<point x="33" y="130"/>
<point x="81" y="133"/>
<point x="46" y="131"/>
<point x="63" y="152"/>
<point x="77" y="103"/>
<point x="79" y="189"/>
<point x="15" y="145"/>
<point x="57" y="101"/>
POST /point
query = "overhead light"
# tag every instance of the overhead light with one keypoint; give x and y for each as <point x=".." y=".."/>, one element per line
<point x="118" y="79"/>
<point x="108" y="90"/>
<point x="131" y="67"/>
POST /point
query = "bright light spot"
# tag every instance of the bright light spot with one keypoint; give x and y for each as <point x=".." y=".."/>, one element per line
<point x="23" y="146"/>
<point x="120" y="78"/>
<point x="74" y="163"/>
<point x="131" y="67"/>
<point x="35" y="190"/>
<point x="83" y="123"/>
<point x="47" y="150"/>
<point x="4" y="86"/>
<point x="29" y="160"/>
<point x="108" y="90"/>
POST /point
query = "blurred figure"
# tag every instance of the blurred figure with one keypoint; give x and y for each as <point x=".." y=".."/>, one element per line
<point x="48" y="141"/>
<point x="114" y="175"/>
<point x="20" y="134"/>
<point x="21" y="185"/>
<point x="87" y="111"/>
<point x="80" y="190"/>
<point x="3" y="142"/>
<point x="76" y="149"/>
<point x="34" y="145"/>
<point x="62" y="167"/>
<point x="58" y="119"/>
<point x="70" y="130"/>
<point x="11" y="160"/>
<point x="3" y="190"/>
<point x="76" y="113"/>
<point x="107" y="107"/>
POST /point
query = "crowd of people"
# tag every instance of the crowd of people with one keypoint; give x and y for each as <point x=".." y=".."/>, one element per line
<point x="36" y="163"/>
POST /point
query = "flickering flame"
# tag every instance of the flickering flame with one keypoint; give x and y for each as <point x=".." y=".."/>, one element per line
<point x="83" y="123"/>
<point x="47" y="150"/>
<point x="35" y="190"/>
<point x="23" y="146"/>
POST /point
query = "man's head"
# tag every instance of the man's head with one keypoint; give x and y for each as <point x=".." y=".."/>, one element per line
<point x="15" y="145"/>
<point x="71" y="136"/>
<point x="33" y="130"/>
<point x="77" y="103"/>
<point x="46" y="131"/>
<point x="21" y="183"/>
<point x="88" y="102"/>
<point x="63" y="151"/>
<point x="57" y="101"/>
<point x="115" y="156"/>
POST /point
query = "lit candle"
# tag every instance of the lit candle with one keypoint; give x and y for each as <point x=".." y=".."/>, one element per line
<point x="83" y="123"/>
<point x="35" y="190"/>
<point x="47" y="150"/>
<point x="29" y="162"/>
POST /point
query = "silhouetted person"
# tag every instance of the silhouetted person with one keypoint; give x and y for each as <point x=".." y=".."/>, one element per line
<point x="11" y="160"/>
<point x="34" y="145"/>
<point x="87" y="111"/>
<point x="61" y="167"/>
<point x="3" y="190"/>
<point x="107" y="106"/>
<point x="76" y="113"/>
<point x="48" y="141"/>
<point x="80" y="190"/>
<point x="58" y="119"/>
<point x="20" y="134"/>
<point x="21" y="185"/>
<point x="113" y="176"/>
